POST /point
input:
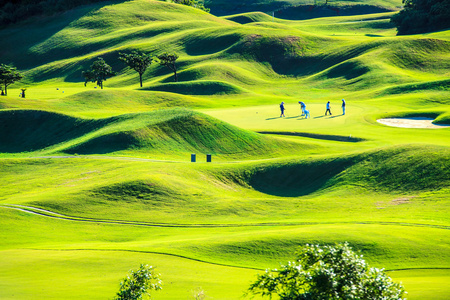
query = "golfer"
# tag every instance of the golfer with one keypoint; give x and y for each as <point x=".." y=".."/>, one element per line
<point x="302" y="107"/>
<point x="328" y="108"/>
<point x="343" y="106"/>
<point x="282" y="109"/>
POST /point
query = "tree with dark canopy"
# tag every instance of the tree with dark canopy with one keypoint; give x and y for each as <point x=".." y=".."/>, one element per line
<point x="137" y="61"/>
<point x="420" y="16"/>
<point x="168" y="60"/>
<point x="8" y="75"/>
<point x="100" y="70"/>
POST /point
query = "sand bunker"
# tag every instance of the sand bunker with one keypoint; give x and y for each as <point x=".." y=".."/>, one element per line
<point x="411" y="123"/>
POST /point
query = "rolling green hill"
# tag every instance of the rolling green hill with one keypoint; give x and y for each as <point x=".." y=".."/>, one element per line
<point x="95" y="182"/>
<point x="175" y="131"/>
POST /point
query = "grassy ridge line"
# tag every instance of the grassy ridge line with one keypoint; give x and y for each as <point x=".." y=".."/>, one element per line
<point x="50" y="214"/>
<point x="174" y="130"/>
<point x="190" y="41"/>
<point x="364" y="187"/>
<point x="296" y="9"/>
<point x="392" y="169"/>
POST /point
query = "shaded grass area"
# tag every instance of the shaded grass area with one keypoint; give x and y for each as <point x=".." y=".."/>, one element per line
<point x="198" y="88"/>
<point x="171" y="132"/>
<point x="397" y="169"/>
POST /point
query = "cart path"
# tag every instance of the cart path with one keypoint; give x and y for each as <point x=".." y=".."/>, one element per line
<point x="54" y="215"/>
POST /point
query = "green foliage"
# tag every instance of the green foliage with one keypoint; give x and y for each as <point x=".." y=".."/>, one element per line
<point x="327" y="273"/>
<point x="8" y="75"/>
<point x="193" y="3"/>
<point x="99" y="72"/>
<point x="137" y="61"/>
<point x="139" y="283"/>
<point x="419" y="16"/>
<point x="19" y="10"/>
<point x="168" y="60"/>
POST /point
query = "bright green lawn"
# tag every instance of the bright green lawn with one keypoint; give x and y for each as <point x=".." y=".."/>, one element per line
<point x="110" y="168"/>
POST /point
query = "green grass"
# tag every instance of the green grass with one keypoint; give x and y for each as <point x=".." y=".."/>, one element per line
<point x="95" y="182"/>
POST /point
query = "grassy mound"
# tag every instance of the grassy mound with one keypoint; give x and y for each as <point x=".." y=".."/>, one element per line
<point x="133" y="191"/>
<point x="301" y="9"/>
<point x="180" y="131"/>
<point x="281" y="52"/>
<point x="250" y="17"/>
<point x="398" y="169"/>
<point x="164" y="131"/>
<point x="201" y="87"/>
<point x="32" y="130"/>
<point x="219" y="72"/>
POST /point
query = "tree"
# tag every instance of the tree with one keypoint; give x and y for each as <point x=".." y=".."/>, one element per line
<point x="137" y="61"/>
<point x="139" y="283"/>
<point x="327" y="273"/>
<point x="168" y="60"/>
<point x="99" y="72"/>
<point x="420" y="16"/>
<point x="8" y="75"/>
<point x="193" y="3"/>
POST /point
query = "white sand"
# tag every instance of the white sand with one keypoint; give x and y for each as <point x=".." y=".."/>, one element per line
<point x="411" y="123"/>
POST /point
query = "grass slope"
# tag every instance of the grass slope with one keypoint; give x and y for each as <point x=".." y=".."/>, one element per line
<point x="173" y="132"/>
<point x="95" y="182"/>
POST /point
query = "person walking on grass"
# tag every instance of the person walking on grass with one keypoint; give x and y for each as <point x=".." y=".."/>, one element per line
<point x="343" y="106"/>
<point x="302" y="107"/>
<point x="282" y="109"/>
<point x="328" y="108"/>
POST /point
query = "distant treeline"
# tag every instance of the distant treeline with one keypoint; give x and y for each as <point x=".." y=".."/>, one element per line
<point x="420" y="16"/>
<point x="19" y="10"/>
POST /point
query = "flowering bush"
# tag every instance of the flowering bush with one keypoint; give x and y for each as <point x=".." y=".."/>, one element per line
<point x="327" y="273"/>
<point x="139" y="283"/>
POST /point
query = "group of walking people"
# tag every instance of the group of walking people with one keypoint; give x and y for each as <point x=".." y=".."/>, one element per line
<point x="305" y="112"/>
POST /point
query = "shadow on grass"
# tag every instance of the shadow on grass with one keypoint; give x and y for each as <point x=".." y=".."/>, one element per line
<point x="296" y="180"/>
<point x="329" y="137"/>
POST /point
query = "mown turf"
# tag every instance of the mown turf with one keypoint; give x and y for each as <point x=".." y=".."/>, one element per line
<point x="104" y="180"/>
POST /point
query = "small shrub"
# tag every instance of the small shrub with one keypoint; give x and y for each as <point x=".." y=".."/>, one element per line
<point x="139" y="283"/>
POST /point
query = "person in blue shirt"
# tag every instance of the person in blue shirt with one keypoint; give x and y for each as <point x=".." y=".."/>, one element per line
<point x="328" y="108"/>
<point x="282" y="109"/>
<point x="302" y="107"/>
<point x="343" y="106"/>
